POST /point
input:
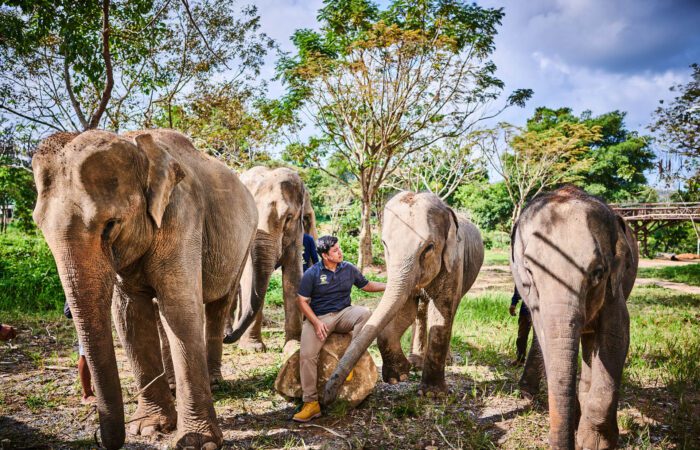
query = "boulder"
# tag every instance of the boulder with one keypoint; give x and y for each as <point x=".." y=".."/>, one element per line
<point x="288" y="383"/>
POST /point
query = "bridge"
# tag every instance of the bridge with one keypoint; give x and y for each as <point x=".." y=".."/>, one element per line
<point x="645" y="218"/>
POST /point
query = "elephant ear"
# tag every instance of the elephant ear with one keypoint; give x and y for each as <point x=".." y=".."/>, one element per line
<point x="624" y="260"/>
<point x="450" y="252"/>
<point x="164" y="173"/>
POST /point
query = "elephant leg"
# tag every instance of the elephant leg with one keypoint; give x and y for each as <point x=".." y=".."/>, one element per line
<point x="440" y="316"/>
<point x="165" y="351"/>
<point x="180" y="306"/>
<point x="420" y="336"/>
<point x="395" y="366"/>
<point x="533" y="371"/>
<point x="598" y="424"/>
<point x="215" y="316"/>
<point x="291" y="277"/>
<point x="135" y="321"/>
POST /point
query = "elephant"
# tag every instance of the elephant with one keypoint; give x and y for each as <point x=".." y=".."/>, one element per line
<point x="283" y="206"/>
<point x="574" y="262"/>
<point x="134" y="217"/>
<point x="433" y="253"/>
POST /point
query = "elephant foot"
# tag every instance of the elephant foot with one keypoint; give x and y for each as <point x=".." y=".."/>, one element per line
<point x="528" y="390"/>
<point x="215" y="378"/>
<point x="589" y="438"/>
<point x="433" y="390"/>
<point x="290" y="347"/>
<point x="210" y="440"/>
<point x="251" y="345"/>
<point x="416" y="361"/>
<point x="396" y="372"/>
<point x="145" y="424"/>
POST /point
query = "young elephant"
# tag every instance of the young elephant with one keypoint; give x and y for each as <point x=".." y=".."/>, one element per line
<point x="282" y="202"/>
<point x="574" y="262"/>
<point x="133" y="217"/>
<point x="431" y="251"/>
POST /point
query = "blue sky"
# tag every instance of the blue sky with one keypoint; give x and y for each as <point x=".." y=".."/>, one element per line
<point x="586" y="54"/>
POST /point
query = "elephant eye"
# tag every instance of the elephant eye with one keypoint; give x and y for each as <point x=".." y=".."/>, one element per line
<point x="428" y="249"/>
<point x="597" y="275"/>
<point x="109" y="226"/>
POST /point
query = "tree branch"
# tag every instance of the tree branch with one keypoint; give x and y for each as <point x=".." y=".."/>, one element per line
<point x="107" y="93"/>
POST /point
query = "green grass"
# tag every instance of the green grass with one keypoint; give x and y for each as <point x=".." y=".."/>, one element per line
<point x="496" y="257"/>
<point x="28" y="277"/>
<point x="688" y="274"/>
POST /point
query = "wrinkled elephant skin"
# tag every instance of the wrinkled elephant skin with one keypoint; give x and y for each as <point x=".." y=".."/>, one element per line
<point x="283" y="205"/>
<point x="574" y="262"/>
<point x="140" y="216"/>
<point x="432" y="254"/>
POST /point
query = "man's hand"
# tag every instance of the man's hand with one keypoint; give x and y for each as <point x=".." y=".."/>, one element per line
<point x="321" y="330"/>
<point x="511" y="310"/>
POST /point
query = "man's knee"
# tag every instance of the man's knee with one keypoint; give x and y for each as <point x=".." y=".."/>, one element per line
<point x="364" y="313"/>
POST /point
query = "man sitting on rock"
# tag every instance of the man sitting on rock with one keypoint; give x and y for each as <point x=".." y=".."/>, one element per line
<point x="324" y="299"/>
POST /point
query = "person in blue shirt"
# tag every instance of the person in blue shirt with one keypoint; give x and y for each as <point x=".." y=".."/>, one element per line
<point x="524" y="326"/>
<point x="324" y="299"/>
<point x="310" y="255"/>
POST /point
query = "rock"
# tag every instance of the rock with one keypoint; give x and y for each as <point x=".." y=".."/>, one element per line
<point x="288" y="383"/>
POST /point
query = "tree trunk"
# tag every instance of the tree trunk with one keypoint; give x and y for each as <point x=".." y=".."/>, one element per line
<point x="365" y="247"/>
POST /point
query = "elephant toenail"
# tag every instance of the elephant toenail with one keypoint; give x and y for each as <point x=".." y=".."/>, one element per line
<point x="392" y="381"/>
<point x="209" y="446"/>
<point x="403" y="377"/>
<point x="148" y="431"/>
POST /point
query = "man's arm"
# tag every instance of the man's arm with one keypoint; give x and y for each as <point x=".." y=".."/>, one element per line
<point x="374" y="286"/>
<point x="319" y="327"/>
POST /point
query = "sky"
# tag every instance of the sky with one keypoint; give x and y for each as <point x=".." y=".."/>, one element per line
<point x="598" y="55"/>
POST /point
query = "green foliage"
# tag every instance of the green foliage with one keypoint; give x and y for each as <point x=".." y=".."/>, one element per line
<point x="29" y="280"/>
<point x="689" y="274"/>
<point x="56" y="69"/>
<point x="677" y="126"/>
<point x="489" y="205"/>
<point x="17" y="189"/>
<point x="618" y="157"/>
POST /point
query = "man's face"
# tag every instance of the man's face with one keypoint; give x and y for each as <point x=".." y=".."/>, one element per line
<point x="334" y="255"/>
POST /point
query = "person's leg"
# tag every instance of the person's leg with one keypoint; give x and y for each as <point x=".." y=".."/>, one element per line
<point x="524" y="325"/>
<point x="85" y="377"/>
<point x="309" y="350"/>
<point x="352" y="319"/>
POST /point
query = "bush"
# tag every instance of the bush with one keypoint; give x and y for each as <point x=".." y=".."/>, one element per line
<point x="28" y="277"/>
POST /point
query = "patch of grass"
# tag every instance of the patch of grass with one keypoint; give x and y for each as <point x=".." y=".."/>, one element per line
<point x="36" y="402"/>
<point x="496" y="257"/>
<point x="28" y="276"/>
<point x="688" y="274"/>
<point x="259" y="383"/>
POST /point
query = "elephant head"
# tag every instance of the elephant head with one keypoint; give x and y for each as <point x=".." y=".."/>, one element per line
<point x="280" y="199"/>
<point x="570" y="254"/>
<point x="100" y="200"/>
<point x="420" y="237"/>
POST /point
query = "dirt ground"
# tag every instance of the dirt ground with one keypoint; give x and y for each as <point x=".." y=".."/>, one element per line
<point x="40" y="403"/>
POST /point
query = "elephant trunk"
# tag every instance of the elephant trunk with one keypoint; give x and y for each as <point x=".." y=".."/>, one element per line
<point x="399" y="288"/>
<point x="256" y="279"/>
<point x="88" y="282"/>
<point x="561" y="325"/>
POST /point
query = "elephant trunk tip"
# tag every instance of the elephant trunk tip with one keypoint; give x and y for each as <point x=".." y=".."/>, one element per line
<point x="330" y="392"/>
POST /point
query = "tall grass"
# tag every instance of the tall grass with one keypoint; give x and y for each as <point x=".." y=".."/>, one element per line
<point x="28" y="277"/>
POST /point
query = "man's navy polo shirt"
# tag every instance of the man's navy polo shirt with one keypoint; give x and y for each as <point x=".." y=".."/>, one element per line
<point x="330" y="291"/>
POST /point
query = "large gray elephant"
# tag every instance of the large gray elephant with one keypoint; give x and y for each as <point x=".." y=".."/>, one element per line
<point x="283" y="206"/>
<point x="574" y="262"/>
<point x="432" y="253"/>
<point x="133" y="217"/>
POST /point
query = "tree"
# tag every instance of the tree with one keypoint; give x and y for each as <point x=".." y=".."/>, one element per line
<point x="618" y="157"/>
<point x="531" y="161"/>
<point x="80" y="65"/>
<point x="16" y="183"/>
<point x="489" y="204"/>
<point x="226" y="120"/>
<point x="677" y="128"/>
<point x="381" y="85"/>
<point x="440" y="168"/>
